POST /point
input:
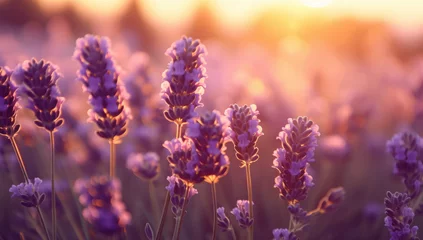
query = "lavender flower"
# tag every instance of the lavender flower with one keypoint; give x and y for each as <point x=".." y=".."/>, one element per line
<point x="29" y="193"/>
<point x="399" y="217"/>
<point x="177" y="189"/>
<point x="182" y="161"/>
<point x="101" y="78"/>
<point x="331" y="200"/>
<point x="183" y="81"/>
<point x="103" y="208"/>
<point x="372" y="212"/>
<point x="244" y="131"/>
<point x="299" y="139"/>
<point x="38" y="80"/>
<point x="242" y="214"/>
<point x="145" y="166"/>
<point x="149" y="233"/>
<point x="406" y="149"/>
<point x="299" y="217"/>
<point x="8" y="104"/>
<point x="209" y="134"/>
<point x="283" y="234"/>
<point x="222" y="220"/>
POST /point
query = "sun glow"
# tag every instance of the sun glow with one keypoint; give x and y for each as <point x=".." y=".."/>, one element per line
<point x="316" y="3"/>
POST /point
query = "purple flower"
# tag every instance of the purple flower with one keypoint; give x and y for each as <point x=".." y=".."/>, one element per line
<point x="331" y="200"/>
<point x="183" y="81"/>
<point x="183" y="160"/>
<point x="29" y="193"/>
<point x="8" y="104"/>
<point x="38" y="81"/>
<point x="177" y="189"/>
<point x="300" y="218"/>
<point x="101" y="78"/>
<point x="299" y="140"/>
<point x="283" y="234"/>
<point x="145" y="166"/>
<point x="209" y="134"/>
<point x="103" y="207"/>
<point x="406" y="148"/>
<point x="399" y="217"/>
<point x="222" y="220"/>
<point x="242" y="214"/>
<point x="244" y="131"/>
<point x="372" y="211"/>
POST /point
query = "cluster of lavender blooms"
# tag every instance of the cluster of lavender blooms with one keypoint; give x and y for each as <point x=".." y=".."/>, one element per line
<point x="177" y="189"/>
<point x="183" y="81"/>
<point x="223" y="221"/>
<point x="406" y="149"/>
<point x="103" y="207"/>
<point x="283" y="234"/>
<point x="299" y="141"/>
<point x="8" y="104"/>
<point x="399" y="217"/>
<point x="38" y="81"/>
<point x="242" y="213"/>
<point x="244" y="131"/>
<point x="101" y="78"/>
<point x="29" y="193"/>
<point x="145" y="166"/>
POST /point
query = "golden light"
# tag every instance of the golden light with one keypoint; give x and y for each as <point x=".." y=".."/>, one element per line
<point x="316" y="3"/>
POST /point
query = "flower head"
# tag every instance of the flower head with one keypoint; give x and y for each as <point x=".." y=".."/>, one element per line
<point x="177" y="189"/>
<point x="209" y="134"/>
<point x="299" y="140"/>
<point x="38" y="81"/>
<point x="406" y="149"/>
<point x="183" y="81"/>
<point x="283" y="234"/>
<point x="145" y="166"/>
<point x="29" y="193"/>
<point x="8" y="104"/>
<point x="101" y="78"/>
<point x="97" y="191"/>
<point x="222" y="220"/>
<point x="331" y="200"/>
<point x="399" y="217"/>
<point x="242" y="213"/>
<point x="244" y="131"/>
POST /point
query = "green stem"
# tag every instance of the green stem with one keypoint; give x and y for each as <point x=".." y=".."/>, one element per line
<point x="250" y="197"/>
<point x="19" y="157"/>
<point x="153" y="200"/>
<point x="53" y="187"/>
<point x="112" y="159"/>
<point x="178" y="225"/>
<point x="213" y="189"/>
<point x="233" y="233"/>
<point x="163" y="217"/>
<point x="43" y="221"/>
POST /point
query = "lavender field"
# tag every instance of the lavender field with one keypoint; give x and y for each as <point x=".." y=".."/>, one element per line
<point x="211" y="119"/>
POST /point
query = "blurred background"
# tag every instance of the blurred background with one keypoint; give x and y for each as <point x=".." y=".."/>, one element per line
<point x="354" y="67"/>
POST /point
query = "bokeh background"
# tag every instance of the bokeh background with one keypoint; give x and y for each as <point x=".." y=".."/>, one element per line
<point x="354" y="67"/>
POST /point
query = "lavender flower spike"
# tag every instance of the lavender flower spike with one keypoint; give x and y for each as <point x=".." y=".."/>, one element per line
<point x="406" y="149"/>
<point x="145" y="166"/>
<point x="209" y="134"/>
<point x="38" y="80"/>
<point x="283" y="234"/>
<point x="331" y="200"/>
<point x="299" y="140"/>
<point x="177" y="189"/>
<point x="29" y="193"/>
<point x="183" y="81"/>
<point x="244" y="131"/>
<point x="8" y="104"/>
<point x="242" y="214"/>
<point x="222" y="220"/>
<point x="101" y="78"/>
<point x="399" y="217"/>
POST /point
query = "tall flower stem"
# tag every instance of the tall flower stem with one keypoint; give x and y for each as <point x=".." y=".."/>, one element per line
<point x="19" y="157"/>
<point x="167" y="197"/>
<point x="25" y="175"/>
<point x="213" y="190"/>
<point x="153" y="199"/>
<point x="233" y="234"/>
<point x="178" y="225"/>
<point x="250" y="197"/>
<point x="43" y="222"/>
<point x="112" y="158"/>
<point x="53" y="188"/>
